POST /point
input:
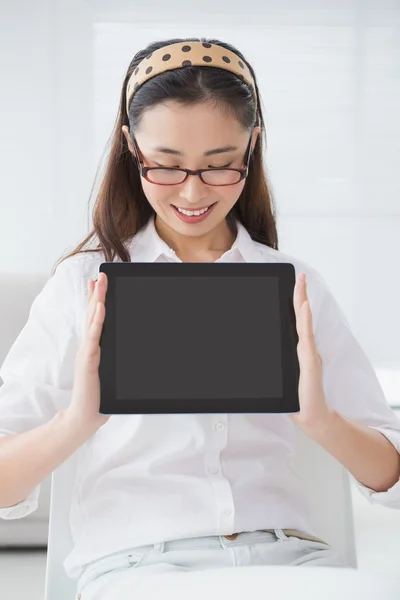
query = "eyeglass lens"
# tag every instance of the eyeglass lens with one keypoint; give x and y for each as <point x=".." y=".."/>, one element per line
<point x="174" y="176"/>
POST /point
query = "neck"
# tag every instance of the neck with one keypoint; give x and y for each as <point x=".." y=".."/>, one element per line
<point x="217" y="241"/>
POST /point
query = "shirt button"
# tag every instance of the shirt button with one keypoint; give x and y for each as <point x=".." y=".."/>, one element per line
<point x="220" y="426"/>
<point x="213" y="470"/>
<point x="226" y="512"/>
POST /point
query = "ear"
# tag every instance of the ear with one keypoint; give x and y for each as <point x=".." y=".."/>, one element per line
<point x="127" y="135"/>
<point x="256" y="133"/>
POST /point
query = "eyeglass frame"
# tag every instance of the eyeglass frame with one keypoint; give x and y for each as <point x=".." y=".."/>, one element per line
<point x="144" y="170"/>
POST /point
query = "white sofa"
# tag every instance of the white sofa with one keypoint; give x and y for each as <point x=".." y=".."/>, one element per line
<point x="17" y="293"/>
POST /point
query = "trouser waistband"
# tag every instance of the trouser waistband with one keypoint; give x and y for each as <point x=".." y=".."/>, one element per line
<point x="125" y="558"/>
<point x="216" y="541"/>
<point x="219" y="540"/>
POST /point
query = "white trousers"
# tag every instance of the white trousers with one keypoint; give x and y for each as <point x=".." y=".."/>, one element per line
<point x="123" y="576"/>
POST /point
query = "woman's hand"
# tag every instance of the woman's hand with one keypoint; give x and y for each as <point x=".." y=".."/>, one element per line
<point x="314" y="410"/>
<point x="85" y="402"/>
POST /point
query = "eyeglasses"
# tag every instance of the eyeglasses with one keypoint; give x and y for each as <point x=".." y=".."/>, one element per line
<point x="172" y="176"/>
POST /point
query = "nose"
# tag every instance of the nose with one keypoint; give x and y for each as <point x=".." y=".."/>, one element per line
<point x="193" y="190"/>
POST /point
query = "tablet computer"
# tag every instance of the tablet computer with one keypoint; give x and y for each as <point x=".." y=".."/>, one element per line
<point x="199" y="338"/>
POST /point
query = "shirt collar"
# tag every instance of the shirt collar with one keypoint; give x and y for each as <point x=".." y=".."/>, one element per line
<point x="147" y="246"/>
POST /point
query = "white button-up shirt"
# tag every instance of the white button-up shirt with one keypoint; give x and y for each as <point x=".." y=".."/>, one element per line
<point x="143" y="479"/>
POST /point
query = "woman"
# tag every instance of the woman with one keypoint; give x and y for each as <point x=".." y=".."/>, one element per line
<point x="185" y="181"/>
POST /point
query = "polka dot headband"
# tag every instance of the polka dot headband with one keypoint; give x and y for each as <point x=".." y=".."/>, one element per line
<point x="186" y="54"/>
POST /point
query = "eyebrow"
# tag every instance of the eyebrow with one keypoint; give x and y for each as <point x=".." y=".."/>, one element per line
<point x="225" y="149"/>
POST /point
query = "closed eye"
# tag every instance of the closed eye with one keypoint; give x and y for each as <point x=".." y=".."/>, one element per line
<point x="209" y="167"/>
<point x="223" y="167"/>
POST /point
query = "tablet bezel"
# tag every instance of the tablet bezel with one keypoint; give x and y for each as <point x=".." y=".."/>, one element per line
<point x="288" y="403"/>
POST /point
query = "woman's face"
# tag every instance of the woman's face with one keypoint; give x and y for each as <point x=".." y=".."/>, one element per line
<point x="172" y="135"/>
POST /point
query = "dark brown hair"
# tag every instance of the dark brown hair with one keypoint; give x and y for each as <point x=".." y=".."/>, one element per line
<point x="121" y="208"/>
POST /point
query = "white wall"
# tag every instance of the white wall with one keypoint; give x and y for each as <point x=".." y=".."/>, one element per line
<point x="329" y="73"/>
<point x="46" y="107"/>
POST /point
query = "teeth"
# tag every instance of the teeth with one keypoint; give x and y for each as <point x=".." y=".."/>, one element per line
<point x="192" y="213"/>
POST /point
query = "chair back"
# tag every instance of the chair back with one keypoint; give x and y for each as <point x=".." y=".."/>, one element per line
<point x="325" y="480"/>
<point x="58" y="586"/>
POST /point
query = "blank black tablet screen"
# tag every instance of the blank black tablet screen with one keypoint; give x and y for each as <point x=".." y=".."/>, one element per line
<point x="197" y="338"/>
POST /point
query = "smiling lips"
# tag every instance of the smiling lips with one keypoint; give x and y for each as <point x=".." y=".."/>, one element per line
<point x="192" y="209"/>
<point x="193" y="218"/>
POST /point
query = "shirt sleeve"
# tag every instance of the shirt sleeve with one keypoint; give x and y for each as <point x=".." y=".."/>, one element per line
<point x="38" y="371"/>
<point x="350" y="382"/>
<point x="23" y="508"/>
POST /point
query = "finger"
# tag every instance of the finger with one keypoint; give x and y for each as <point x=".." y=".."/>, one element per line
<point x="98" y="295"/>
<point x="299" y="290"/>
<point x="91" y="302"/>
<point x="91" y="347"/>
<point x="91" y="285"/>
<point x="307" y="329"/>
<point x="307" y="346"/>
<point x="97" y="324"/>
<point x="299" y="297"/>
